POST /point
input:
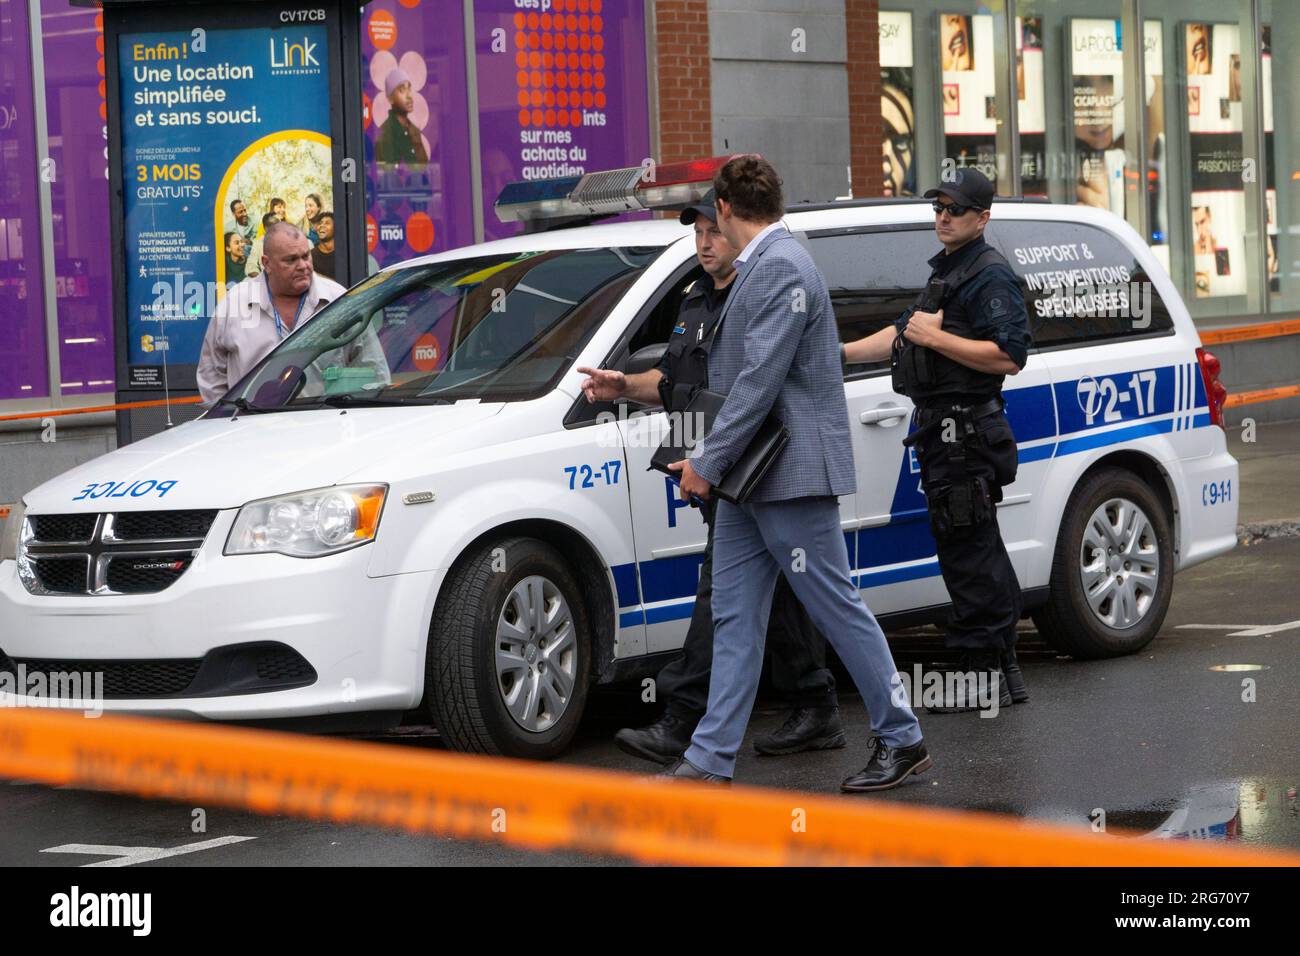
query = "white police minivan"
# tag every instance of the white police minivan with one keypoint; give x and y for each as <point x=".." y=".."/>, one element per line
<point x="473" y="540"/>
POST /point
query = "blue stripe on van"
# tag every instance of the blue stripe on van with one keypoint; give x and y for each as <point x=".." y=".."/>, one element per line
<point x="1031" y="412"/>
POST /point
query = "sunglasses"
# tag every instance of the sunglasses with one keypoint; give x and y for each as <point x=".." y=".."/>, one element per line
<point x="951" y="209"/>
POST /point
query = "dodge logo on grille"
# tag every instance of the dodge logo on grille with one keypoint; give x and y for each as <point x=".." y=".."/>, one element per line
<point x="157" y="565"/>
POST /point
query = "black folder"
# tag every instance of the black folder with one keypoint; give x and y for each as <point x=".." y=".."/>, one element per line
<point x="738" y="483"/>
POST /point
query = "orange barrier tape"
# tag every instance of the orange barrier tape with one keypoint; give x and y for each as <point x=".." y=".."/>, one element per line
<point x="1245" y="333"/>
<point x="548" y="806"/>
<point x="1261" y="395"/>
<point x="54" y="413"/>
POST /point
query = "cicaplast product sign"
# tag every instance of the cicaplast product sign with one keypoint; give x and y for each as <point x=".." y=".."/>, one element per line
<point x="223" y="132"/>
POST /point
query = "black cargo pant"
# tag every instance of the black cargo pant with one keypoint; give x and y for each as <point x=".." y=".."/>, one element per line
<point x="986" y="601"/>
<point x="797" y="648"/>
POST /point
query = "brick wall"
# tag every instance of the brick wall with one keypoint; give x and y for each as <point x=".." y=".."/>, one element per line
<point x="866" y="128"/>
<point x="685" y="102"/>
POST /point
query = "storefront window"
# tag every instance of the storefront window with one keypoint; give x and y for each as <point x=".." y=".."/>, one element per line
<point x="73" y="43"/>
<point x="22" y="300"/>
<point x="1215" y="252"/>
<point x="943" y="74"/>
<point x="1281" y="157"/>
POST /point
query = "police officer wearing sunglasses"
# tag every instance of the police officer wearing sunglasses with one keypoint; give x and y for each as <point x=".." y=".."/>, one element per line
<point x="949" y="353"/>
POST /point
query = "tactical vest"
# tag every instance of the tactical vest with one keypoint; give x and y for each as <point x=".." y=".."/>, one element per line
<point x="922" y="373"/>
<point x="688" y="350"/>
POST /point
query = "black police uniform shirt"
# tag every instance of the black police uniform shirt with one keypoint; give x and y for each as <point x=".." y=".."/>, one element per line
<point x="700" y="309"/>
<point x="992" y="300"/>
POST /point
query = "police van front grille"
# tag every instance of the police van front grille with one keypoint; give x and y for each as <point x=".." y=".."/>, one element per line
<point x="122" y="679"/>
<point x="58" y="528"/>
<point x="162" y="525"/>
<point x="132" y="575"/>
<point x="62" y="575"/>
<point x="256" y="668"/>
<point x="140" y="552"/>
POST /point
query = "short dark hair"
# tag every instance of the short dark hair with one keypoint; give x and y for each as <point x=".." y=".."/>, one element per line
<point x="270" y="218"/>
<point x="752" y="187"/>
<point x="234" y="203"/>
<point x="226" y="243"/>
<point x="326" y="215"/>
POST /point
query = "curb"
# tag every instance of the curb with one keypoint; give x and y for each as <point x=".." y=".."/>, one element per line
<point x="1256" y="531"/>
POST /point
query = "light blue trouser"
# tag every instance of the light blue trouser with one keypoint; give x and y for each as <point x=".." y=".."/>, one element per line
<point x="751" y="545"/>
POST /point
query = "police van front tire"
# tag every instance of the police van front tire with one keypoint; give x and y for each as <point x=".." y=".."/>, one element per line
<point x="1112" y="574"/>
<point x="509" y="652"/>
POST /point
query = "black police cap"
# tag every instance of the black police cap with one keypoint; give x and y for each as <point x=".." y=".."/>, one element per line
<point x="705" y="209"/>
<point x="969" y="187"/>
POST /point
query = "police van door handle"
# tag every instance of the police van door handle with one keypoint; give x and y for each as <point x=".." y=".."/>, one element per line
<point x="886" y="416"/>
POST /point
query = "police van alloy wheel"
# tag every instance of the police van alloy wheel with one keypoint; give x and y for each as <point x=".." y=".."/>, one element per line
<point x="1112" y="575"/>
<point x="509" y="652"/>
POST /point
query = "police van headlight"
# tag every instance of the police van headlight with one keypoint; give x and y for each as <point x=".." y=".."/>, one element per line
<point x="12" y="531"/>
<point x="309" y="524"/>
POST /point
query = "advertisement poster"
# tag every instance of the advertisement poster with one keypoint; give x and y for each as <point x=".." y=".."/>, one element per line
<point x="219" y="138"/>
<point x="1097" y="109"/>
<point x="1097" y="113"/>
<point x="1212" y="61"/>
<point x="1270" y="167"/>
<point x="414" y="93"/>
<point x="897" y="103"/>
<point x="968" y="95"/>
<point x="562" y="91"/>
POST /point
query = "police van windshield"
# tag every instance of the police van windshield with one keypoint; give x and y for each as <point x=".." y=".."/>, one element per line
<point x="496" y="328"/>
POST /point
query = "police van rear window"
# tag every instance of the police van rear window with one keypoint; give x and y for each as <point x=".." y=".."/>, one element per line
<point x="1081" y="283"/>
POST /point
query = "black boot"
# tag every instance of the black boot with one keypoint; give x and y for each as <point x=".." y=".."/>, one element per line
<point x="663" y="742"/>
<point x="888" y="767"/>
<point x="1014" y="678"/>
<point x="806" y="728"/>
<point x="985" y="668"/>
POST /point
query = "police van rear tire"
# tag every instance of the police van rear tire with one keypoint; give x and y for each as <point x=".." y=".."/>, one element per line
<point x="1112" y="574"/>
<point x="509" y="652"/>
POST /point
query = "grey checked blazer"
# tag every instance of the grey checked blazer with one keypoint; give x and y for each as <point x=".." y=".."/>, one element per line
<point x="778" y="349"/>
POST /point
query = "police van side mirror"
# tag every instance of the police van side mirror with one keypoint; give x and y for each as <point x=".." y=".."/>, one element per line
<point x="644" y="359"/>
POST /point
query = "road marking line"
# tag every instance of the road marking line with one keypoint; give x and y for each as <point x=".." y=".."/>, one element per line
<point x="1244" y="630"/>
<point x="131" y="855"/>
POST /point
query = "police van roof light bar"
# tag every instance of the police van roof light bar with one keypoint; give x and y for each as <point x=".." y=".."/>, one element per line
<point x="609" y="192"/>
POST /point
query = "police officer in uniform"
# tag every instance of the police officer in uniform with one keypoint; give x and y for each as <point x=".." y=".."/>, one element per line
<point x="949" y="353"/>
<point x="798" y="651"/>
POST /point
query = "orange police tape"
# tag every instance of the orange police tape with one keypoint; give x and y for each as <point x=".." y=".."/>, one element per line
<point x="1236" y="399"/>
<point x="545" y="806"/>
<point x="56" y="412"/>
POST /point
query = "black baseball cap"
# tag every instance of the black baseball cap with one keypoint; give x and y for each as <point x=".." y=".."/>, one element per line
<point x="705" y="209"/>
<point x="969" y="187"/>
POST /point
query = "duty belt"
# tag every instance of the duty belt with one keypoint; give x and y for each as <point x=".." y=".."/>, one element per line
<point x="961" y="497"/>
<point x="990" y="407"/>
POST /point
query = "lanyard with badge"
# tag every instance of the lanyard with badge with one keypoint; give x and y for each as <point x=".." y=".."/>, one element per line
<point x="270" y="300"/>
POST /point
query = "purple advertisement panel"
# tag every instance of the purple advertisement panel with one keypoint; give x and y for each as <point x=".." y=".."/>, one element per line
<point x="562" y="91"/>
<point x="415" y="100"/>
<point x="73" y="41"/>
<point x="22" y="305"/>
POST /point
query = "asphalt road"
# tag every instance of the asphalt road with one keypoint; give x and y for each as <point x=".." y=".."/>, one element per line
<point x="1162" y="741"/>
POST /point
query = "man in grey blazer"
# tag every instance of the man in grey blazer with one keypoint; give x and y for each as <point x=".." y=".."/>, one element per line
<point x="777" y="350"/>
